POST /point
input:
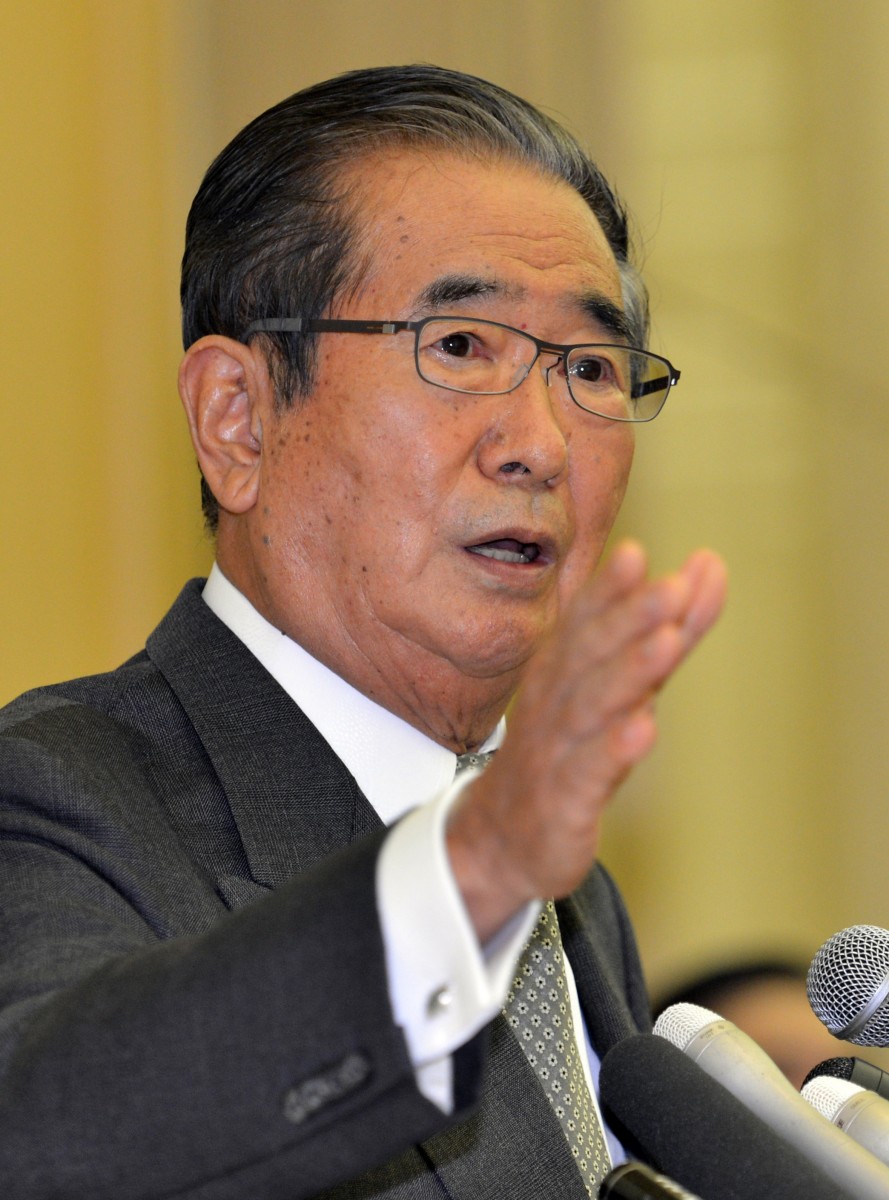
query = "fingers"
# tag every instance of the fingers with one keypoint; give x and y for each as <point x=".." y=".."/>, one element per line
<point x="602" y="688"/>
<point x="708" y="579"/>
<point x="625" y="568"/>
<point x="633" y="737"/>
<point x="621" y="604"/>
<point x="621" y="640"/>
<point x="629" y="603"/>
<point x="649" y="631"/>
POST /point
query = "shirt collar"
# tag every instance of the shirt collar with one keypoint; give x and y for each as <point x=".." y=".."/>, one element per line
<point x="395" y="765"/>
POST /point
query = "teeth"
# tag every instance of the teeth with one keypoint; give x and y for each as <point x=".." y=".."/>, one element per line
<point x="501" y="555"/>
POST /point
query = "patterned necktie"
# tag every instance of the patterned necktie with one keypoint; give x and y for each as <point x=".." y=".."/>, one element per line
<point x="538" y="1010"/>
<point x="473" y="760"/>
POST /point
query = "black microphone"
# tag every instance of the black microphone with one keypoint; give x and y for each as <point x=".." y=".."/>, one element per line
<point x="666" y="1109"/>
<point x="855" y="1070"/>
<point x="635" y="1181"/>
<point x="848" y="985"/>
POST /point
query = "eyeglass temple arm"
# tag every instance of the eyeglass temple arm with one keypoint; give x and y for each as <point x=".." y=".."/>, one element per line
<point x="661" y="384"/>
<point x="299" y="325"/>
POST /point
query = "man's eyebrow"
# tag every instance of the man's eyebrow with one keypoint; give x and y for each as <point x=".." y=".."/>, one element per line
<point x="607" y="314"/>
<point x="455" y="289"/>
<point x="450" y="290"/>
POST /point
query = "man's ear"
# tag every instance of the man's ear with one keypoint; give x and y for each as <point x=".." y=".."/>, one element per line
<point x="225" y="389"/>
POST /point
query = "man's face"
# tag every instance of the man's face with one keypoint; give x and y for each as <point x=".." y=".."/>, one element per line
<point x="384" y="500"/>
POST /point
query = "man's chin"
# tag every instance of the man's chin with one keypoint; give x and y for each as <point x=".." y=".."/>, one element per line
<point x="494" y="654"/>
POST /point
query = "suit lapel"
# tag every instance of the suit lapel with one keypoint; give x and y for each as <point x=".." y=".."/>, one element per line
<point x="293" y="800"/>
<point x="602" y="951"/>
<point x="608" y="1020"/>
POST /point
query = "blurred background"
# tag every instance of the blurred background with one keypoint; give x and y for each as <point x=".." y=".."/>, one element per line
<point x="751" y="142"/>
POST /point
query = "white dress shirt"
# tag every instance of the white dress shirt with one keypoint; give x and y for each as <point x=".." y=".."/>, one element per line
<point x="446" y="987"/>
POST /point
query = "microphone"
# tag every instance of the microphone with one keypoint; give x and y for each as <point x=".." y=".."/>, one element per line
<point x="862" y="1114"/>
<point x="855" y="1070"/>
<point x="848" y="983"/>
<point x="733" y="1058"/>
<point x="634" y="1181"/>
<point x="670" y="1112"/>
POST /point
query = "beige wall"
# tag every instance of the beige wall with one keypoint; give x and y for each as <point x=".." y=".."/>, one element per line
<point x="751" y="143"/>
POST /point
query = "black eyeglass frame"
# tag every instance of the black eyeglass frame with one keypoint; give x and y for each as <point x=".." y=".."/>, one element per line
<point x="340" y="325"/>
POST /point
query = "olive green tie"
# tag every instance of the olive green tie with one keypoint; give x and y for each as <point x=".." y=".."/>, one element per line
<point x="538" y="1009"/>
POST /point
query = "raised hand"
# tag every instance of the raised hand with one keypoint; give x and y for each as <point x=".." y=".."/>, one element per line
<point x="529" y="826"/>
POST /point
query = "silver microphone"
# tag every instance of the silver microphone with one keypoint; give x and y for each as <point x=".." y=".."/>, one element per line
<point x="848" y="985"/>
<point x="861" y="1113"/>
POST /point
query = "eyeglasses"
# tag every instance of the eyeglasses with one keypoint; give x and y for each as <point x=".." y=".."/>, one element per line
<point x="486" y="358"/>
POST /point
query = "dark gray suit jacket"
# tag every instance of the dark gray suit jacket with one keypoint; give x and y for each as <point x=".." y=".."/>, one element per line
<point x="193" y="997"/>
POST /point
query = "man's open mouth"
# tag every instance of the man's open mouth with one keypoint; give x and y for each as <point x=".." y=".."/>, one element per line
<point x="507" y="550"/>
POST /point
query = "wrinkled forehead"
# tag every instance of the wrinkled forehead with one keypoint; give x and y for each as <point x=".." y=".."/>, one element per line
<point x="437" y="228"/>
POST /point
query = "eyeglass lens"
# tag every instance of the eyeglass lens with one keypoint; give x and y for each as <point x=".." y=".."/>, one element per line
<point x="467" y="355"/>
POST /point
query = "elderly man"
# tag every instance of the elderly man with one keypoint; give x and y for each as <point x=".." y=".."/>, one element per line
<point x="258" y="920"/>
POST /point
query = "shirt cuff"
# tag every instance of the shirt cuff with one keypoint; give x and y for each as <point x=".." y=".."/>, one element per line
<point x="444" y="986"/>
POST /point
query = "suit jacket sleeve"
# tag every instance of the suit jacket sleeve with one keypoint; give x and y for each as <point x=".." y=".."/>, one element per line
<point x="193" y="995"/>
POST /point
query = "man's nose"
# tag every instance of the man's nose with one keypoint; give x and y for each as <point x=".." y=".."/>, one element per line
<point x="527" y="442"/>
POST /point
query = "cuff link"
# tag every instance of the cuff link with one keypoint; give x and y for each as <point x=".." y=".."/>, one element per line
<point x="439" y="1002"/>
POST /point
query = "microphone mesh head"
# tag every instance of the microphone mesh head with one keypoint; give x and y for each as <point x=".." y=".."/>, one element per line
<point x="680" y="1022"/>
<point x="837" y="1068"/>
<point x="846" y="974"/>
<point x="828" y="1095"/>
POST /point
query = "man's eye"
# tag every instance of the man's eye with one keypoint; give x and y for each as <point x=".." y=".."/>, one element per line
<point x="456" y="345"/>
<point x="593" y="369"/>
